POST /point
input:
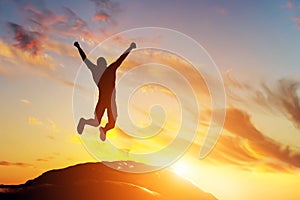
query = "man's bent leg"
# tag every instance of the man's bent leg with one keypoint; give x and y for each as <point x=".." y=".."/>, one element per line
<point x="82" y="122"/>
<point x="99" y="111"/>
<point x="100" y="108"/>
<point x="92" y="122"/>
<point x="112" y="116"/>
<point x="80" y="125"/>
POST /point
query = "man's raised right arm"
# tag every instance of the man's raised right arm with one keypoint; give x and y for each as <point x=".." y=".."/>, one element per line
<point x="88" y="63"/>
<point x="81" y="52"/>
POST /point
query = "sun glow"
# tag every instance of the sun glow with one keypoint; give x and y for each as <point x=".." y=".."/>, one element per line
<point x="185" y="169"/>
<point x="181" y="169"/>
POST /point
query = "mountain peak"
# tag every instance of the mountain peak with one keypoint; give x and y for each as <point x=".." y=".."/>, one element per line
<point x="98" y="181"/>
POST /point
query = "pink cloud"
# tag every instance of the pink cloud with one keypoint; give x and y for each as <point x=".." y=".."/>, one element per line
<point x="222" y="11"/>
<point x="289" y="4"/>
<point x="106" y="10"/>
<point x="101" y="16"/>
<point x="297" y="21"/>
<point x="26" y="40"/>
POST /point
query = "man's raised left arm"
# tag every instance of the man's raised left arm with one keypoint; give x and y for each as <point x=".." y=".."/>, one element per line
<point x="119" y="61"/>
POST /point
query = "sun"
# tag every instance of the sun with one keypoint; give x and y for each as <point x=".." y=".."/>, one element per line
<point x="181" y="169"/>
<point x="184" y="168"/>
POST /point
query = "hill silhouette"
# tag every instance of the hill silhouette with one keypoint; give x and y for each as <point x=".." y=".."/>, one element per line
<point x="97" y="181"/>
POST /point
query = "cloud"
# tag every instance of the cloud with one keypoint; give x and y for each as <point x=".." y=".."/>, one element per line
<point x="297" y="21"/>
<point x="16" y="164"/>
<point x="222" y="11"/>
<point x="101" y="16"/>
<point x="41" y="160"/>
<point x="232" y="150"/>
<point x="281" y="97"/>
<point x="43" y="20"/>
<point x="289" y="4"/>
<point x="49" y="125"/>
<point x="73" y="25"/>
<point x="247" y="146"/>
<point x="46" y="25"/>
<point x="25" y="40"/>
<point x="50" y="137"/>
<point x="31" y="44"/>
<point x="106" y="10"/>
<point x="66" y="50"/>
<point x="15" y="59"/>
<point x="46" y="159"/>
<point x="75" y="139"/>
<point x="34" y="121"/>
<point x="66" y="24"/>
<point x="15" y="62"/>
<point x="25" y="101"/>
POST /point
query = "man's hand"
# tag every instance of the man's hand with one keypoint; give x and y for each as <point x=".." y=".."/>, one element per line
<point x="132" y="45"/>
<point x="81" y="52"/>
<point x="76" y="44"/>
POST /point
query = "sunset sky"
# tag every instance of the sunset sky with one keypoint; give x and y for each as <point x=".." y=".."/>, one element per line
<point x="254" y="44"/>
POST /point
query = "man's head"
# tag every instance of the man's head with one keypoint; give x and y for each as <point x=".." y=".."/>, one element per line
<point x="101" y="61"/>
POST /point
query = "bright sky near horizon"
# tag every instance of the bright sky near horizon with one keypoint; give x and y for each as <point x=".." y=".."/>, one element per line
<point x="255" y="45"/>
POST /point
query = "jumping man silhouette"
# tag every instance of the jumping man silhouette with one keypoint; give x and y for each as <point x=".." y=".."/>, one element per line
<point x="104" y="78"/>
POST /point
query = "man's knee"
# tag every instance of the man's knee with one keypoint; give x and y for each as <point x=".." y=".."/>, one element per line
<point x="111" y="124"/>
<point x="98" y="115"/>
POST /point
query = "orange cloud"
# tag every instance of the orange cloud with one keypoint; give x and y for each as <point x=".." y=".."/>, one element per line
<point x="17" y="164"/>
<point x="101" y="16"/>
<point x="16" y="56"/>
<point x="60" y="48"/>
<point x="63" y="25"/>
<point x="32" y="48"/>
<point x="106" y="10"/>
<point x="14" y="60"/>
<point x="42" y="160"/>
<point x="246" y="146"/>
<point x="46" y="159"/>
<point x="26" y="40"/>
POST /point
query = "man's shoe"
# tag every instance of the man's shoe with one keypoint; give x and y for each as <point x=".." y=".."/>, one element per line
<point x="102" y="134"/>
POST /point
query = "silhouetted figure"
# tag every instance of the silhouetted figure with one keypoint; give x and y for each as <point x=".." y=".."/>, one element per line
<point x="105" y="78"/>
